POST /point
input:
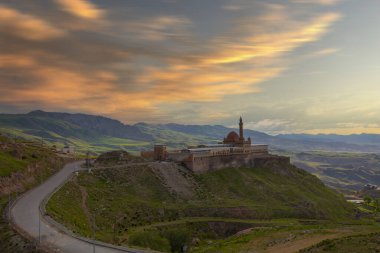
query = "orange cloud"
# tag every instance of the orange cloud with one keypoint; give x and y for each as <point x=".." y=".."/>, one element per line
<point x="275" y="44"/>
<point x="74" y="90"/>
<point x="27" y="26"/>
<point x="81" y="8"/>
<point x="97" y="76"/>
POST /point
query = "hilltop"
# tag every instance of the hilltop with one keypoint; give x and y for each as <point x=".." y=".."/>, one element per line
<point x="145" y="204"/>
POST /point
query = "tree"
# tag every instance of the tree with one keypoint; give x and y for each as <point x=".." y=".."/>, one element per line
<point x="377" y="204"/>
<point x="367" y="200"/>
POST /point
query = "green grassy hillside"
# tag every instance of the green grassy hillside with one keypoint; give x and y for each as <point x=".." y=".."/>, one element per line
<point x="365" y="243"/>
<point x="127" y="204"/>
<point x="22" y="166"/>
<point x="84" y="132"/>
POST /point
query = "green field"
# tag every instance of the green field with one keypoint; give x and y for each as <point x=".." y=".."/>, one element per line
<point x="96" y="144"/>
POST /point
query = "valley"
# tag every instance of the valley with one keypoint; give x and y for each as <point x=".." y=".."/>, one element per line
<point x="351" y="171"/>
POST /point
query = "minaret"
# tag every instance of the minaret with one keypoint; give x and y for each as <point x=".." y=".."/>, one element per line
<point x="241" y="135"/>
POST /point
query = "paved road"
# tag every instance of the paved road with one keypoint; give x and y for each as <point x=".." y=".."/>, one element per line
<point x="25" y="215"/>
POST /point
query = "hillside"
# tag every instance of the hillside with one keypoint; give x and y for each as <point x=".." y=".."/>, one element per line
<point x="22" y="165"/>
<point x="143" y="204"/>
<point x="99" y="134"/>
<point x="366" y="243"/>
<point x="84" y="132"/>
<point x="351" y="168"/>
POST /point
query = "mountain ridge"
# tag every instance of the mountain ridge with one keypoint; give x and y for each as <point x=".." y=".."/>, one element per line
<point x="100" y="133"/>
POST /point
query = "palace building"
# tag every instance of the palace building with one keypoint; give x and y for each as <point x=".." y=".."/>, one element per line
<point x="235" y="151"/>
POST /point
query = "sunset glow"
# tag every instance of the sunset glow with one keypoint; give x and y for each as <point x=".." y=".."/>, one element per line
<point x="288" y="66"/>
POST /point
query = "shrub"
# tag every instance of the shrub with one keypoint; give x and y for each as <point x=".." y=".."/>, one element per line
<point x="150" y="239"/>
<point x="177" y="238"/>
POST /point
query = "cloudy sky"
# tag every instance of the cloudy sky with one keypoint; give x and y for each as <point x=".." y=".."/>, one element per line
<point x="297" y="66"/>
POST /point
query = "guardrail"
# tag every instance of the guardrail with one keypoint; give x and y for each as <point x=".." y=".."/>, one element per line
<point x="48" y="247"/>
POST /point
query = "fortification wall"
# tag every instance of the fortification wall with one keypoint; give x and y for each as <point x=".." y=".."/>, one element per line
<point x="177" y="156"/>
<point x="204" y="164"/>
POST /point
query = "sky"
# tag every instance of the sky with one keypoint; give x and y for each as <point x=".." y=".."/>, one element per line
<point x="286" y="66"/>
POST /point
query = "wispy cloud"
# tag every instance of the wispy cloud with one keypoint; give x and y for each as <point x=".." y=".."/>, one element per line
<point x="27" y="26"/>
<point x="272" y="126"/>
<point x="157" y="28"/>
<point x="81" y="8"/>
<point x="320" y="2"/>
<point x="264" y="44"/>
<point x="231" y="7"/>
<point x="325" y="52"/>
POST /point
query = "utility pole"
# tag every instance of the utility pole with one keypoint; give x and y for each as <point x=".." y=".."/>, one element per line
<point x="115" y="226"/>
<point x="93" y="233"/>
<point x="88" y="162"/>
<point x="114" y="232"/>
<point x="9" y="207"/>
<point x="40" y="177"/>
<point x="39" y="227"/>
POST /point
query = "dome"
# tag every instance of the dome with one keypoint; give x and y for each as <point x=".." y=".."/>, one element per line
<point x="232" y="136"/>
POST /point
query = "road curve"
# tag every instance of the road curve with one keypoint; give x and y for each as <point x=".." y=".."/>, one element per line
<point x="25" y="215"/>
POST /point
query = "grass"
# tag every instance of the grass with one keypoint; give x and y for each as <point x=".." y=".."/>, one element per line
<point x="82" y="144"/>
<point x="17" y="156"/>
<point x="233" y="244"/>
<point x="32" y="164"/>
<point x="127" y="202"/>
<point x="367" y="243"/>
<point x="10" y="164"/>
<point x="62" y="206"/>
<point x="60" y="132"/>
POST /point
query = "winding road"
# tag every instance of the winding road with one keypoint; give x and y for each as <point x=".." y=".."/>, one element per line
<point x="27" y="218"/>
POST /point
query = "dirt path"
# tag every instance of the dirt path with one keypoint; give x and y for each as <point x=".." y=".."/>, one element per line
<point x="84" y="196"/>
<point x="295" y="246"/>
<point x="293" y="241"/>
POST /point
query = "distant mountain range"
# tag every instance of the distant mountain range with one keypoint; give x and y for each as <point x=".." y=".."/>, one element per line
<point x="366" y="139"/>
<point x="97" y="133"/>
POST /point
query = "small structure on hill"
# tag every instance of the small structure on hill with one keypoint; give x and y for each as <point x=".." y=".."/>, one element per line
<point x="234" y="151"/>
<point x="370" y="187"/>
<point x="112" y="156"/>
<point x="68" y="149"/>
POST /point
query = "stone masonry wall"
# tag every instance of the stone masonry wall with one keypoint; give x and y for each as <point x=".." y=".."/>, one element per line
<point x="204" y="164"/>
